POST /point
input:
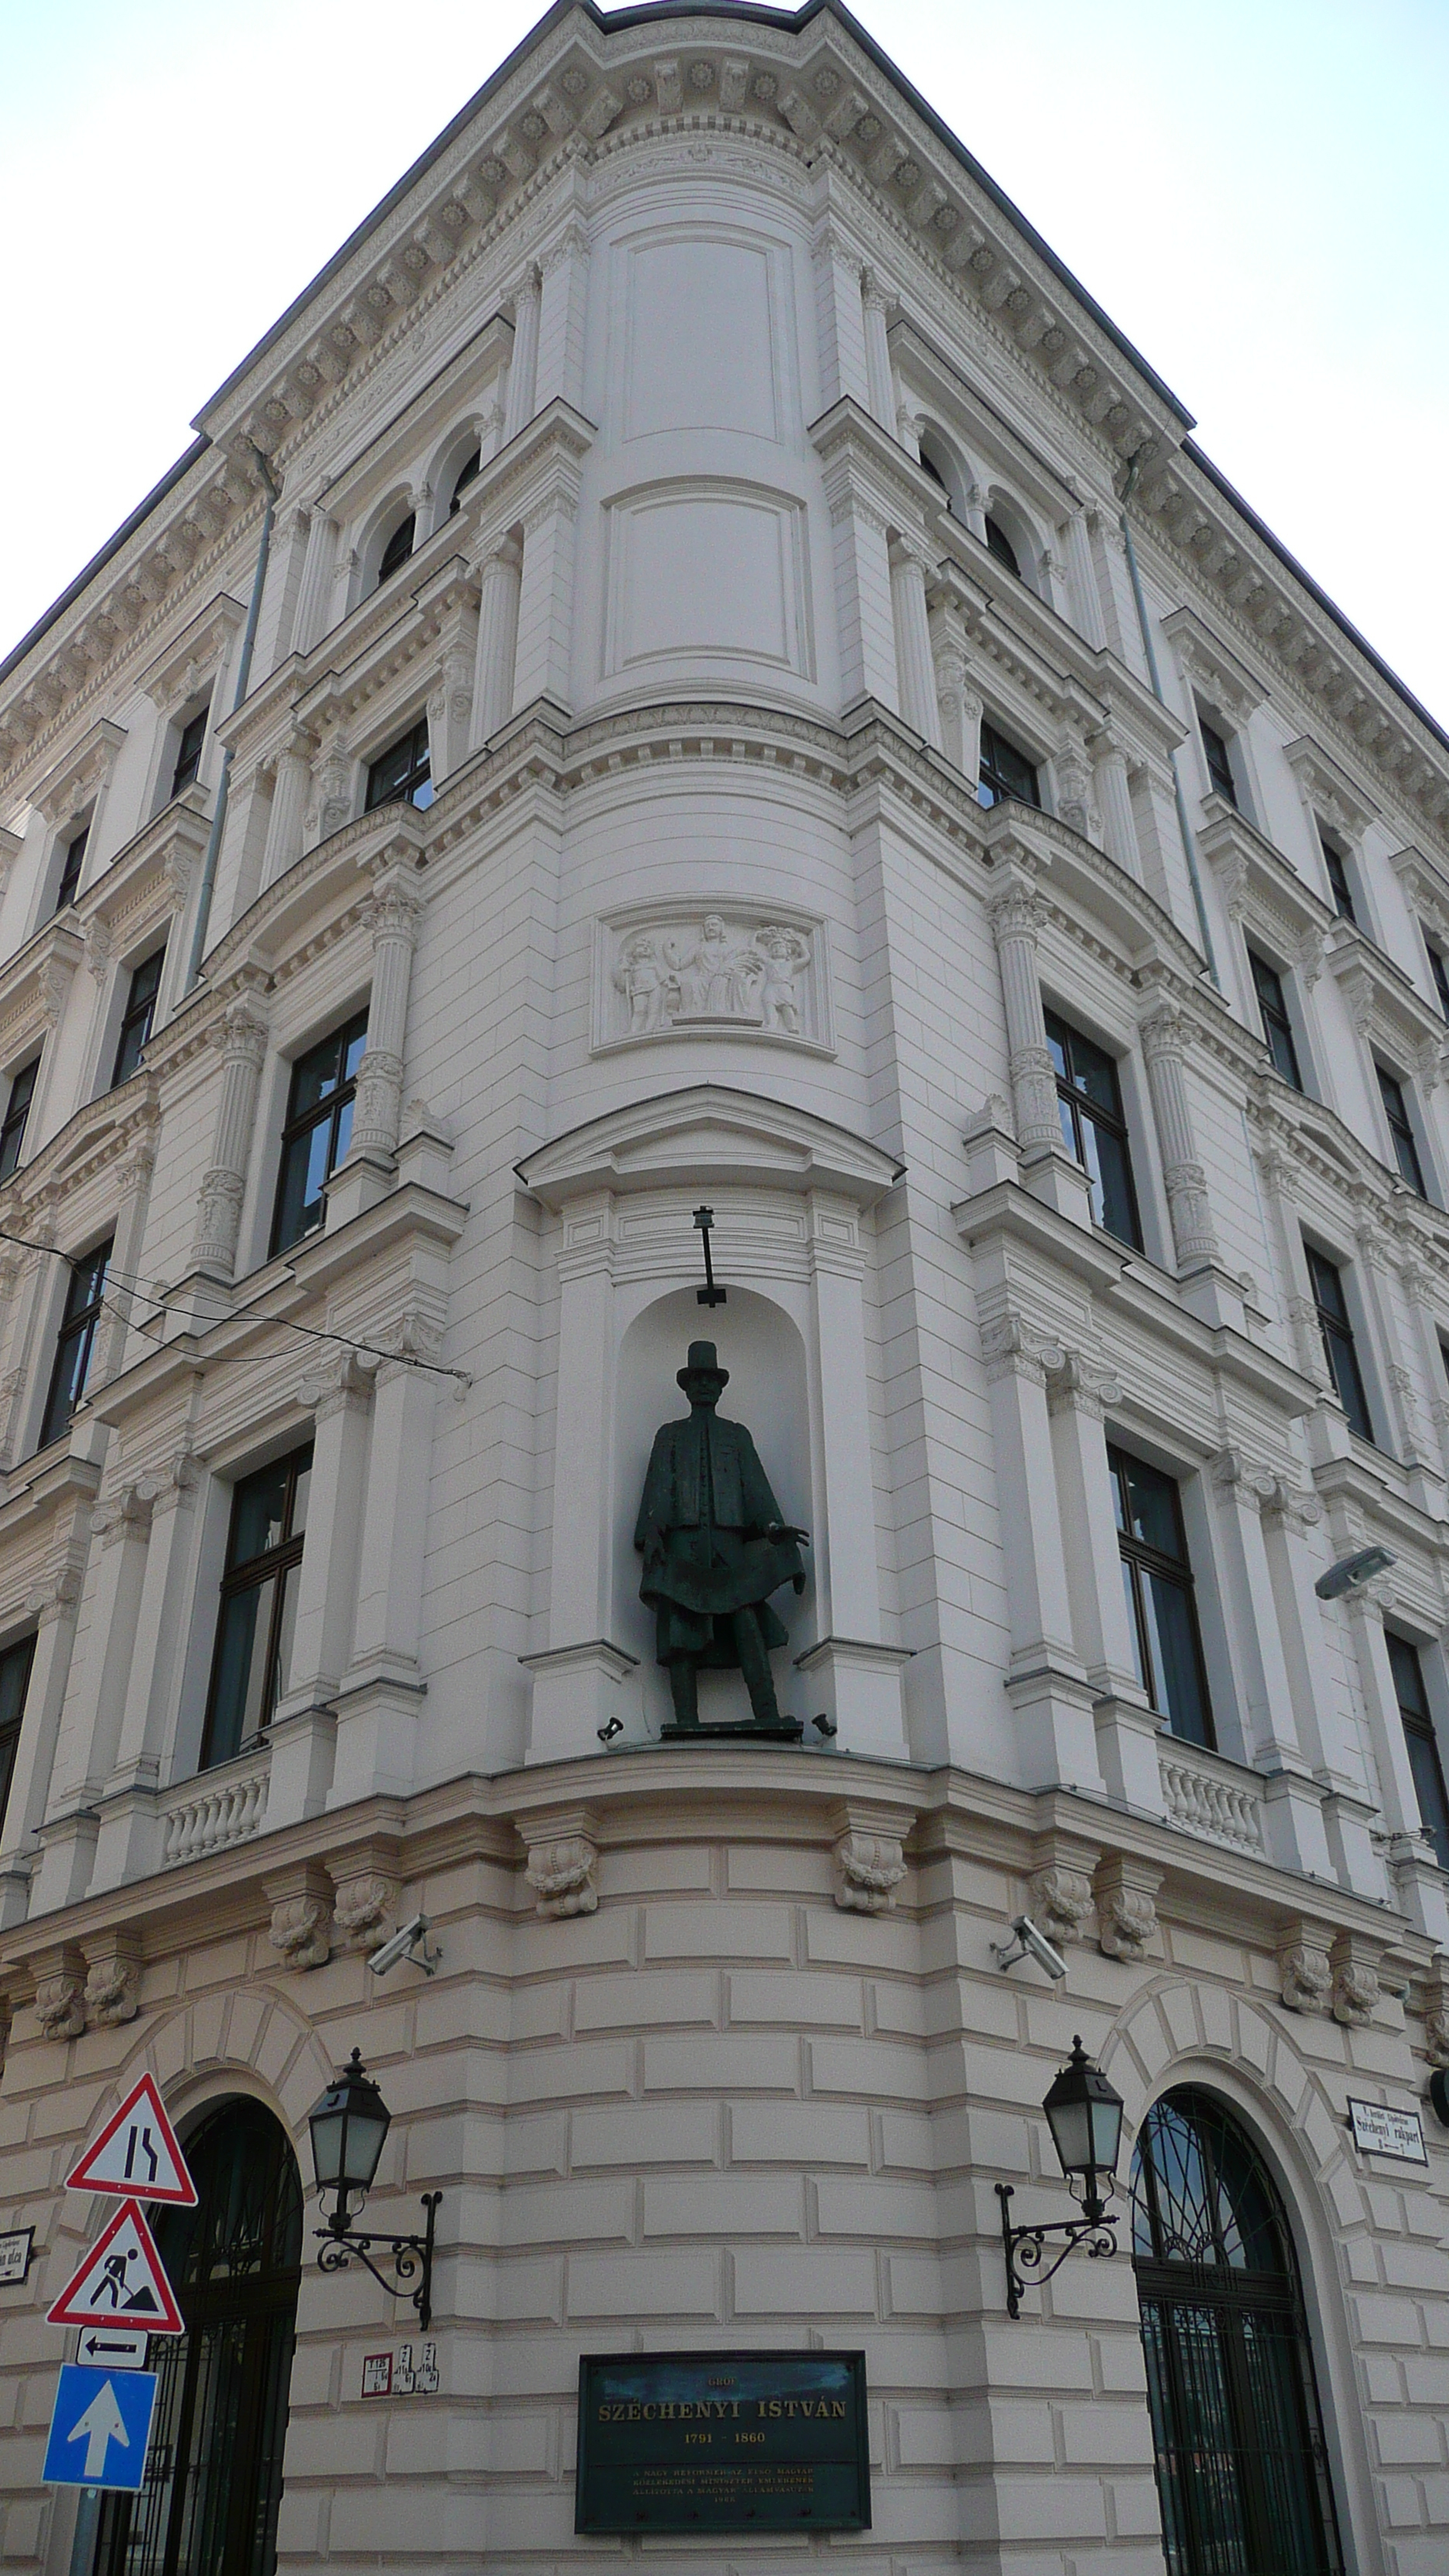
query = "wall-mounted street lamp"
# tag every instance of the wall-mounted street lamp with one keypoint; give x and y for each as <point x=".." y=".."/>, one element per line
<point x="1084" y="2114"/>
<point x="348" y="2127"/>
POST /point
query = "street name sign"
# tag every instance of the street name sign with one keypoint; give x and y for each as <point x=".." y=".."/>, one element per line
<point x="100" y="2427"/>
<point x="693" y="2441"/>
<point x="15" y="2251"/>
<point x="137" y="2154"/>
<point x="1379" y="2130"/>
<point x="122" y="2281"/>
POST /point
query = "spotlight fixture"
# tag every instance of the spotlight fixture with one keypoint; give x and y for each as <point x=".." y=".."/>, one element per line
<point x="1351" y="1573"/>
<point x="607" y="1732"/>
<point x="825" y="1726"/>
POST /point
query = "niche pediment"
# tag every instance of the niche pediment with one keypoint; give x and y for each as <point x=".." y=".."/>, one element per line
<point x="708" y="1136"/>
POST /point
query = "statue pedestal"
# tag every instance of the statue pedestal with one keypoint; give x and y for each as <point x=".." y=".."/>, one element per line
<point x="742" y="1731"/>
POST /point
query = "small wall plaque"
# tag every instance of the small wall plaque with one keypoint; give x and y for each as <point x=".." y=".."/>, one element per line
<point x="15" y="2251"/>
<point x="709" y="2441"/>
<point x="1378" y="2131"/>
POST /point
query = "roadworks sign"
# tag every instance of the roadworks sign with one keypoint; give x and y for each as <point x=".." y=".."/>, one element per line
<point x="122" y="2281"/>
<point x="100" y="2428"/>
<point x="137" y="2154"/>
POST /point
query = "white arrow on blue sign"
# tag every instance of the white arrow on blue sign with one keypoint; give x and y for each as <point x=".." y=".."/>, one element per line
<point x="100" y="2427"/>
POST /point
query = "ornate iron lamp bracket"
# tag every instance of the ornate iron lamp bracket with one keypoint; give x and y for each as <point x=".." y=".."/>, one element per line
<point x="412" y="2257"/>
<point x="1025" y="2247"/>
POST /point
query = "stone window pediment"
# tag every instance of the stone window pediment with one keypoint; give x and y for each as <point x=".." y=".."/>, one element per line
<point x="1328" y="790"/>
<point x="1383" y="1005"/>
<point x="194" y="656"/>
<point x="146" y="882"/>
<point x="34" y="986"/>
<point x="79" y="778"/>
<point x="1213" y="668"/>
<point x="1261" y="890"/>
<point x="704" y="1138"/>
<point x="396" y="453"/>
<point x="1100" y="902"/>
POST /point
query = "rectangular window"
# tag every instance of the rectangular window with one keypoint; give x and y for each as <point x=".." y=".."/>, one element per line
<point x="1277" y="1026"/>
<point x="1401" y="1128"/>
<point x="188" y="752"/>
<point x="252" y="1666"/>
<point x="1341" y="890"/>
<point x="17" y="1110"/>
<point x="139" y="1014"/>
<point x="1089" y="1104"/>
<point x="15" y="1665"/>
<point x="1422" y="1742"/>
<point x="402" y="775"/>
<point x="70" y="874"/>
<point x="1161" y="1608"/>
<point x="74" y="1341"/>
<point x="1005" y="771"/>
<point x="1219" y="763"/>
<point x="318" y="1130"/>
<point x="1439" y="968"/>
<point x="1338" y="1342"/>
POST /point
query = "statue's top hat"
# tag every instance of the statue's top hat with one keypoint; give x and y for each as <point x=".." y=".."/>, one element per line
<point x="703" y="1361"/>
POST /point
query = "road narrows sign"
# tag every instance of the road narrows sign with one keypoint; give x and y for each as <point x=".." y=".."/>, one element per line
<point x="137" y="2154"/>
<point x="122" y="2281"/>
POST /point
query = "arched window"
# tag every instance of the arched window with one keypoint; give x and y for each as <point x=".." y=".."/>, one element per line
<point x="214" y="2470"/>
<point x="467" y="473"/>
<point x="1242" y="2473"/>
<point x="398" y="548"/>
<point x="998" y="543"/>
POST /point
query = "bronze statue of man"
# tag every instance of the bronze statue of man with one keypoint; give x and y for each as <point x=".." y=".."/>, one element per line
<point x="715" y="1547"/>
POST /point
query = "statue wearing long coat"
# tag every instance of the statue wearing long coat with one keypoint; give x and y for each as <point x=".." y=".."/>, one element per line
<point x="706" y="1509"/>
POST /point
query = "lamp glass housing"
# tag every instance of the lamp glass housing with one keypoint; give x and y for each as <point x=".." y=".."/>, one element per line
<point x="348" y="2125"/>
<point x="1084" y="2114"/>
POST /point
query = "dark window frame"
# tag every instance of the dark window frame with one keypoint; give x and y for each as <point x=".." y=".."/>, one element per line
<point x="1217" y="757"/>
<point x="1142" y="1561"/>
<point x="1277" y="1025"/>
<point x="1078" y="1106"/>
<point x="1339" y="883"/>
<point x="272" y="1565"/>
<point x="1406" y="1665"/>
<point x="16" y="1118"/>
<point x="468" y="472"/>
<point x="76" y="1331"/>
<point x="1015" y="777"/>
<point x="330" y="1109"/>
<point x="1439" y="969"/>
<point x="1401" y="1129"/>
<point x="398" y="773"/>
<point x="1000" y="547"/>
<point x="138" y="1017"/>
<point x="190" y="743"/>
<point x="399" y="549"/>
<point x="15" y="1661"/>
<point x="1340" y="1346"/>
<point x="71" y="866"/>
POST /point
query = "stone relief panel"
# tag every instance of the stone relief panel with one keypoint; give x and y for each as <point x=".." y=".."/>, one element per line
<point x="664" y="971"/>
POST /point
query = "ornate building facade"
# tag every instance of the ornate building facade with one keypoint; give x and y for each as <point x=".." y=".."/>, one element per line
<point x="694" y="668"/>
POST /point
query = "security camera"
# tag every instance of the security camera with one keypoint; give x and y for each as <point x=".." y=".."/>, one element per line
<point x="1351" y="1573"/>
<point x="1029" y="1943"/>
<point x="410" y="1943"/>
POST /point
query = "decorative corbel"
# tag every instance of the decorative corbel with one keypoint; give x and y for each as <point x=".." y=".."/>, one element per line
<point x="870" y="1860"/>
<point x="563" y="1854"/>
<point x="1125" y="1891"/>
<point x="60" y="1992"/>
<point x="1303" y="1967"/>
<point x="113" y="1980"/>
<point x="1355" y="1991"/>
<point x="301" y="1924"/>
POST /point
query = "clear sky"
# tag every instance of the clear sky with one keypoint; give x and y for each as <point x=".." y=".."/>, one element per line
<point x="1258" y="192"/>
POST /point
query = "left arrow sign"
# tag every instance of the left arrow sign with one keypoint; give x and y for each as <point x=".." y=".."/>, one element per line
<point x="122" y="2281"/>
<point x="100" y="2428"/>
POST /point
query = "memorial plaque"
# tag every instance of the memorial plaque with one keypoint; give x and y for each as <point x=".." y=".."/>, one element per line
<point x="708" y="2441"/>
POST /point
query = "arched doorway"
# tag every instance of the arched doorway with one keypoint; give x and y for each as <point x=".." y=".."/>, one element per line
<point x="1242" y="2472"/>
<point x="214" y="2472"/>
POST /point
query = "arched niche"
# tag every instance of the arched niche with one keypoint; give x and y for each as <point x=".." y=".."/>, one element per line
<point x="768" y="1391"/>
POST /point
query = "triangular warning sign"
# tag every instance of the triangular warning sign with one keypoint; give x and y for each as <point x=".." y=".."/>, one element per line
<point x="122" y="2281"/>
<point x="137" y="2153"/>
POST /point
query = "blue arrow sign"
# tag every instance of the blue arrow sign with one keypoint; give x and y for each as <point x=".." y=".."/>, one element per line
<point x="100" y="2427"/>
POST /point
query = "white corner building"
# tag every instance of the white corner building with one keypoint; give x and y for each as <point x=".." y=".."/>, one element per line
<point x="694" y="668"/>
